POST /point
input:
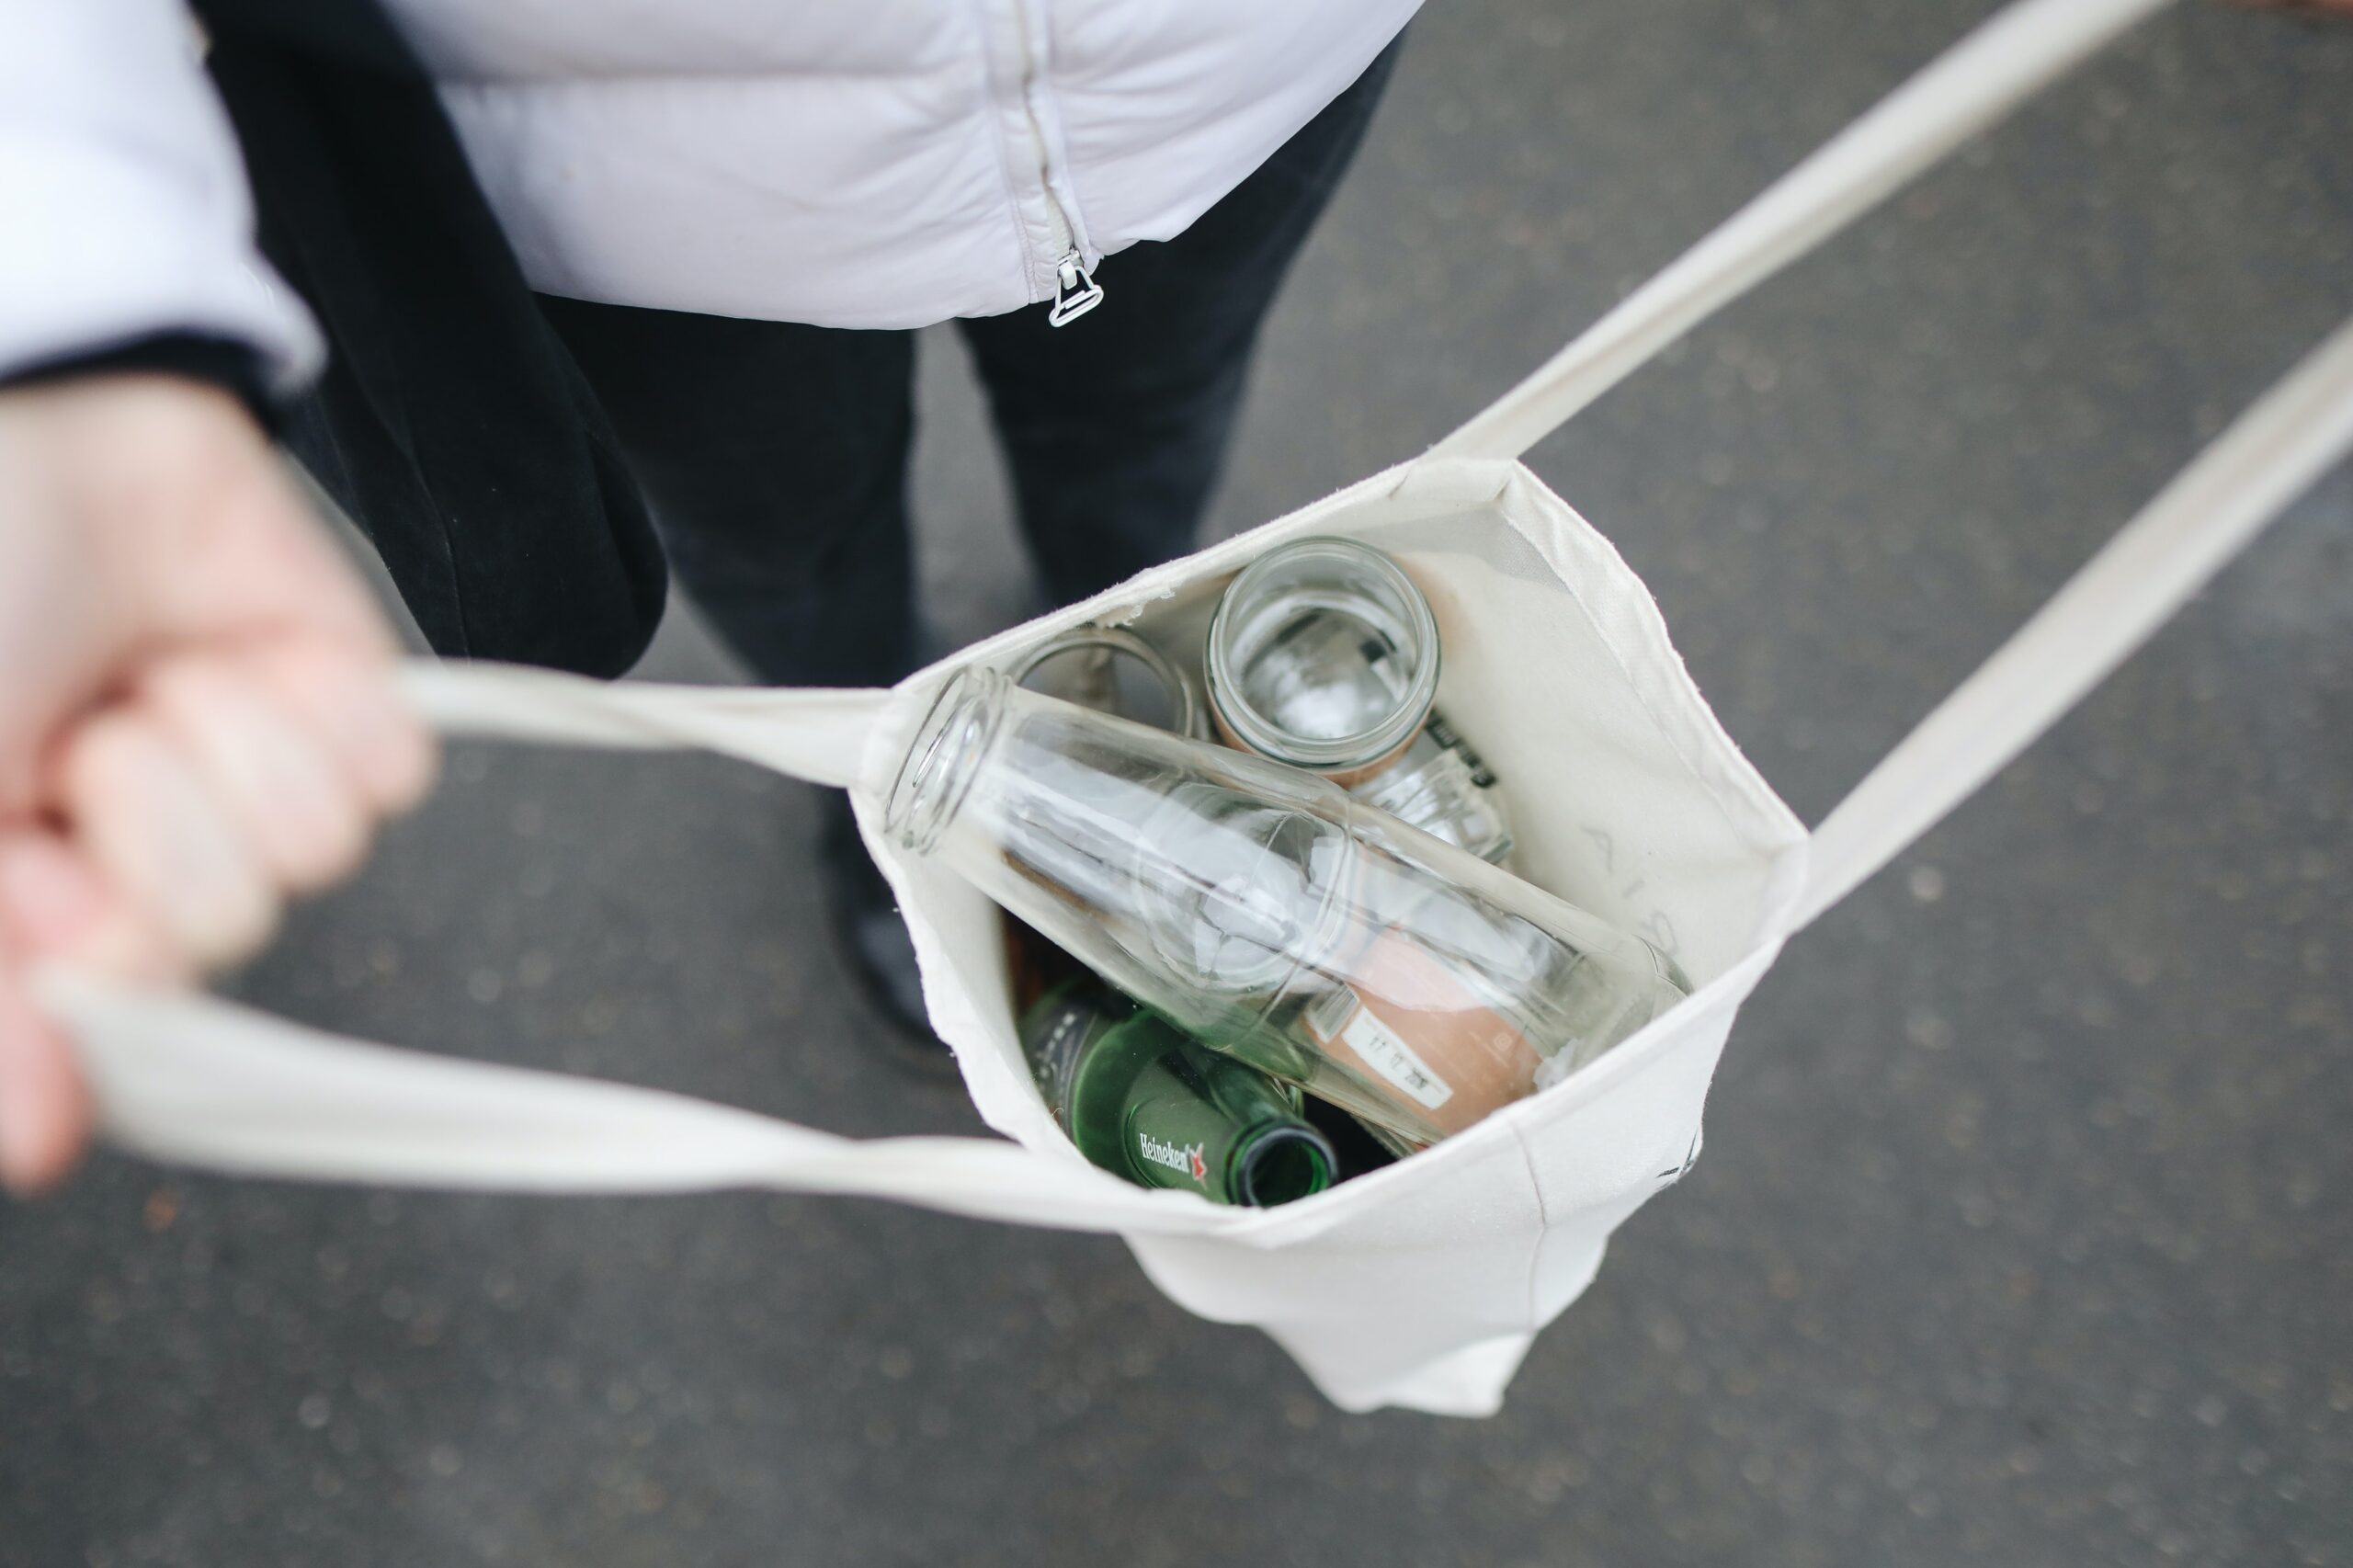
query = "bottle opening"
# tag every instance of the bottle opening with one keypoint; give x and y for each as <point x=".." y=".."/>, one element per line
<point x="944" y="759"/>
<point x="1112" y="670"/>
<point x="1282" y="1164"/>
<point x="1323" y="654"/>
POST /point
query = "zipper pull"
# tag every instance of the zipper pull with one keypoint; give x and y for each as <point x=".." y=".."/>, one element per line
<point x="1076" y="293"/>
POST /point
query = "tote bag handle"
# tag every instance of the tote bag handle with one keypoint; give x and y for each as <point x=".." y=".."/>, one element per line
<point x="2274" y="451"/>
<point x="196" y="1080"/>
<point x="816" y="733"/>
<point x="1969" y="88"/>
<point x="2282" y="445"/>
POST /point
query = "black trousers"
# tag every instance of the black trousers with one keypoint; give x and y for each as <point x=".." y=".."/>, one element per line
<point x="775" y="455"/>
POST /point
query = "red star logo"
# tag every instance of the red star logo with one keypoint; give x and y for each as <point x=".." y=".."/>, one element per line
<point x="1200" y="1166"/>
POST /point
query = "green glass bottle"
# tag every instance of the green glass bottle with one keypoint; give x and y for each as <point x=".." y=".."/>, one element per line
<point x="1145" y="1101"/>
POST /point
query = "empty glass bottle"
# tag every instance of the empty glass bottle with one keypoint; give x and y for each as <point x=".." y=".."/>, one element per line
<point x="1142" y="1101"/>
<point x="1111" y="670"/>
<point x="1267" y="914"/>
<point x="1323" y="654"/>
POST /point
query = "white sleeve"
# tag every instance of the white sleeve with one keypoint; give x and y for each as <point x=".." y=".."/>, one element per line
<point x="123" y="205"/>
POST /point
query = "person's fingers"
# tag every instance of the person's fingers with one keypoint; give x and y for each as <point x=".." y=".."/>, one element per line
<point x="296" y="805"/>
<point x="138" y="806"/>
<point x="44" y="1108"/>
<point x="55" y="904"/>
<point x="352" y="704"/>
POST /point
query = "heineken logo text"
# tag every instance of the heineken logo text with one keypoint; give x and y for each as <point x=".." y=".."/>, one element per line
<point x="1186" y="1162"/>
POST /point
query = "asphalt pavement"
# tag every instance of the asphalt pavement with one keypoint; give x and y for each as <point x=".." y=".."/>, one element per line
<point x="2025" y="1229"/>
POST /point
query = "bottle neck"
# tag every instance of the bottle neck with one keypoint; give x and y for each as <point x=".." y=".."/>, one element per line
<point x="943" y="758"/>
<point x="1197" y="1120"/>
<point x="1278" y="1162"/>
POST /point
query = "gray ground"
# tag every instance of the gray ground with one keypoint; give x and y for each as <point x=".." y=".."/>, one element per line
<point x="2023" y="1231"/>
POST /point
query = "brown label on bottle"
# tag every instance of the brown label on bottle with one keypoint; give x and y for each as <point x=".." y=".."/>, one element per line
<point x="1405" y="1020"/>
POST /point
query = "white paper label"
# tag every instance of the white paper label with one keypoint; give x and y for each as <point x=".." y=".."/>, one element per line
<point x="1390" y="1056"/>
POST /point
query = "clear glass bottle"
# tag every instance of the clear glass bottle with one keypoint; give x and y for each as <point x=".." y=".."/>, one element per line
<point x="1324" y="654"/>
<point x="1145" y="1102"/>
<point x="1268" y="914"/>
<point x="1111" y="670"/>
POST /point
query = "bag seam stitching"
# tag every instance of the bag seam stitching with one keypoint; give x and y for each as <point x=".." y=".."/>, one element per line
<point x="1529" y="1320"/>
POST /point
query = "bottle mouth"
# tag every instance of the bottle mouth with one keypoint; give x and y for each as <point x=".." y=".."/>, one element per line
<point x="1085" y="666"/>
<point x="1285" y="1163"/>
<point x="943" y="758"/>
<point x="1269" y="602"/>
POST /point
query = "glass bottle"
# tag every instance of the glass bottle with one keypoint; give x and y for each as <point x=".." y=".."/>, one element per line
<point x="1111" y="670"/>
<point x="1143" y="1102"/>
<point x="1268" y="914"/>
<point x="1323" y="654"/>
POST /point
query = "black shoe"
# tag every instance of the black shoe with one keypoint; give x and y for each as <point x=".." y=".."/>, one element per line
<point x="874" y="938"/>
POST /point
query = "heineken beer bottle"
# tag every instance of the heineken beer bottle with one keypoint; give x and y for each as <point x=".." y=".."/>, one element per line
<point x="1144" y="1101"/>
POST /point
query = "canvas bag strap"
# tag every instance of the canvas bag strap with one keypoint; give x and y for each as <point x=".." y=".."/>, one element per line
<point x="2117" y="601"/>
<point x="2275" y="451"/>
<point x="818" y="734"/>
<point x="193" y="1080"/>
<point x="200" y="1082"/>
<point x="1969" y="88"/>
<point x="196" y="1080"/>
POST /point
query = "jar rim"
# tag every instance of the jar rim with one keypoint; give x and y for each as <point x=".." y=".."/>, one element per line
<point x="1184" y="706"/>
<point x="1403" y="614"/>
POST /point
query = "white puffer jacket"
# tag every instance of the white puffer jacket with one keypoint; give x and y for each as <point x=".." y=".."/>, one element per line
<point x="848" y="163"/>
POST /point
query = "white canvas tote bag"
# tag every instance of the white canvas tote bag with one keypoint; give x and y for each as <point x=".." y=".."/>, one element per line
<point x="1423" y="1283"/>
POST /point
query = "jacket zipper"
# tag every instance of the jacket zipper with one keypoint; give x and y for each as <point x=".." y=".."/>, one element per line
<point x="1075" y="290"/>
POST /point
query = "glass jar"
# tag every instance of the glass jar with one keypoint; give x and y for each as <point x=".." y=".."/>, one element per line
<point x="1324" y="654"/>
<point x="1268" y="914"/>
